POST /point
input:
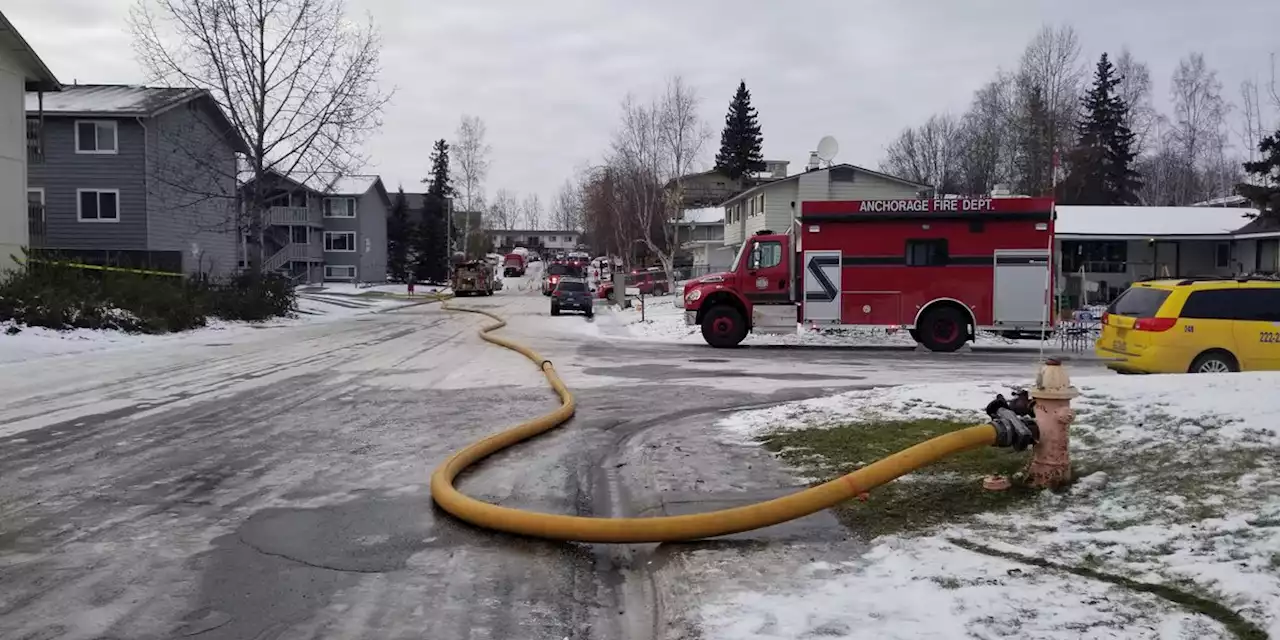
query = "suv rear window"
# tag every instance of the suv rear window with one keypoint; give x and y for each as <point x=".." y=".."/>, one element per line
<point x="571" y="285"/>
<point x="1141" y="302"/>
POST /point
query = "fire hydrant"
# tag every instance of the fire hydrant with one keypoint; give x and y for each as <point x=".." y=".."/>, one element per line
<point x="1050" y="465"/>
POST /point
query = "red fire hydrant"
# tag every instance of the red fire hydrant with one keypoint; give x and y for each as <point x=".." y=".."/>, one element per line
<point x="1050" y="465"/>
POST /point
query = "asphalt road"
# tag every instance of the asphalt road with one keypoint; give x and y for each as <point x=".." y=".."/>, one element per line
<point x="275" y="485"/>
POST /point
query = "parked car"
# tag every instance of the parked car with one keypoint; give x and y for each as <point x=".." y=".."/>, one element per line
<point x="1193" y="325"/>
<point x="650" y="282"/>
<point x="571" y="294"/>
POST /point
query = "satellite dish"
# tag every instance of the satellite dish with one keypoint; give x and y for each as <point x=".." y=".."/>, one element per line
<point x="828" y="148"/>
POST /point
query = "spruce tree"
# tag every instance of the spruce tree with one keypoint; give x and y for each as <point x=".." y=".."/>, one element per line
<point x="1034" y="156"/>
<point x="741" y="142"/>
<point x="1266" y="193"/>
<point x="432" y="243"/>
<point x="1101" y="165"/>
<point x="399" y="238"/>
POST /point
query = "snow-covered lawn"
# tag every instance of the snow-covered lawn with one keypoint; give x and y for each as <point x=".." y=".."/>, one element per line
<point x="663" y="321"/>
<point x="1189" y="503"/>
<point x="28" y="343"/>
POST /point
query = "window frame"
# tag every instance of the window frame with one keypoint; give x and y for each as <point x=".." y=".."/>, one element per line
<point x="925" y="242"/>
<point x="352" y="267"/>
<point x="80" y="205"/>
<point x="115" y="137"/>
<point x="757" y="252"/>
<point x="354" y="241"/>
<point x="325" y="206"/>
<point x="39" y="190"/>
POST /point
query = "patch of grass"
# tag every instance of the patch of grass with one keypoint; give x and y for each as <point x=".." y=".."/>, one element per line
<point x="939" y="493"/>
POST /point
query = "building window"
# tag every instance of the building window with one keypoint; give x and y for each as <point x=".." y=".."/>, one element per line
<point x="299" y="235"/>
<point x="926" y="253"/>
<point x="98" y="205"/>
<point x="340" y="241"/>
<point x="96" y="136"/>
<point x="339" y="272"/>
<point x="339" y="207"/>
<point x="760" y="207"/>
<point x="1095" y="256"/>
<point x="1222" y="255"/>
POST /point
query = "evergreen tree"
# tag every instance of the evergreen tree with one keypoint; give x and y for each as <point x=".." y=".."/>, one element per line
<point x="399" y="238"/>
<point x="740" y="142"/>
<point x="1034" y="155"/>
<point x="431" y="263"/>
<point x="1102" y="162"/>
<point x="1266" y="193"/>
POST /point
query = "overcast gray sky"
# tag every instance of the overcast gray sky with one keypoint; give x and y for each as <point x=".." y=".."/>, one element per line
<point x="547" y="75"/>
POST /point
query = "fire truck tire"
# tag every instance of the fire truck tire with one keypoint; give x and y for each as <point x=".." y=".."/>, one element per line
<point x="723" y="327"/>
<point x="942" y="329"/>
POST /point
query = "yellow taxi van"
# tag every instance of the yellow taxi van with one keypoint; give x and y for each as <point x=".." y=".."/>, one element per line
<point x="1193" y="325"/>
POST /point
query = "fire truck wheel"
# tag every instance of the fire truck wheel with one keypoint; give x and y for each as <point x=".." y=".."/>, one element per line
<point x="942" y="329"/>
<point x="723" y="327"/>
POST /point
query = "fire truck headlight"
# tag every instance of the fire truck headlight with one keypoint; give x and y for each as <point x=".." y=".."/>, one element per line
<point x="693" y="295"/>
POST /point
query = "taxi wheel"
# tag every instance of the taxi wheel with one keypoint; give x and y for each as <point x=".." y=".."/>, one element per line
<point x="1215" y="362"/>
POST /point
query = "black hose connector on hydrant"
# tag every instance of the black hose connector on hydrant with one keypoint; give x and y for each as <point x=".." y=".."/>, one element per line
<point x="1014" y="421"/>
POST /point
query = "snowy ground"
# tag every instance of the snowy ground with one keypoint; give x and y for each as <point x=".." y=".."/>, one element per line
<point x="1190" y="499"/>
<point x="27" y="343"/>
<point x="661" y="321"/>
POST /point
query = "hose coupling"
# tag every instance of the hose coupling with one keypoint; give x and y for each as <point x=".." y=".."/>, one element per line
<point x="1014" y="431"/>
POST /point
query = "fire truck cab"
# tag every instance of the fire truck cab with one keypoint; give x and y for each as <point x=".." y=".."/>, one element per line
<point x="940" y="268"/>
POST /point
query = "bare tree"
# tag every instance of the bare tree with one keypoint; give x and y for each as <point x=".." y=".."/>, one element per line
<point x="531" y="212"/>
<point x="470" y="167"/>
<point x="682" y="134"/>
<point x="504" y="211"/>
<point x="1051" y="63"/>
<point x="986" y="154"/>
<point x="567" y="209"/>
<point x="928" y="154"/>
<point x="1135" y="90"/>
<point x="296" y="79"/>
<point x="1197" y="132"/>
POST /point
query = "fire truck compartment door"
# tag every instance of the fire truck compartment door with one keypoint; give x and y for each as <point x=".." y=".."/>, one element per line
<point x="1021" y="288"/>
<point x="822" y="286"/>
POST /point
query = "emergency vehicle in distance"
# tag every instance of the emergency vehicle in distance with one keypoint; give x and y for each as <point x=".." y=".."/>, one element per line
<point x="940" y="268"/>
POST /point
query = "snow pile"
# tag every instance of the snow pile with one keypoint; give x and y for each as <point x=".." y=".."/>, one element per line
<point x="21" y="343"/>
<point x="664" y="322"/>
<point x="1182" y="488"/>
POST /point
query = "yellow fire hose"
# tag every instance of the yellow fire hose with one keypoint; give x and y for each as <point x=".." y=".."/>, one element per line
<point x="665" y="528"/>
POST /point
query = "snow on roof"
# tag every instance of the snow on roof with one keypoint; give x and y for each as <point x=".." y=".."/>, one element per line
<point x="350" y="185"/>
<point x="709" y="214"/>
<point x="1149" y="221"/>
<point x="120" y="99"/>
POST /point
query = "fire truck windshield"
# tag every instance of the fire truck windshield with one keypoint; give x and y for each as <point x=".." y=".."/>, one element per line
<point x="737" y="260"/>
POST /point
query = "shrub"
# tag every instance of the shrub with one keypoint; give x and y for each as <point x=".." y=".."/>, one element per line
<point x="58" y="296"/>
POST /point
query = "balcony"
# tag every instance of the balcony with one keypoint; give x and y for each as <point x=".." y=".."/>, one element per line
<point x="284" y="216"/>
<point x="294" y="252"/>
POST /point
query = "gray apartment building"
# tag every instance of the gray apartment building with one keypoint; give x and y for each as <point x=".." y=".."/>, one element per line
<point x="325" y="227"/>
<point x="133" y="176"/>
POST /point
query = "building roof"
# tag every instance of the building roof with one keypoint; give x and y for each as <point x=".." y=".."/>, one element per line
<point x="704" y="215"/>
<point x="112" y="99"/>
<point x="38" y="77"/>
<point x="796" y="176"/>
<point x="534" y="232"/>
<point x="1147" y="222"/>
<point x="348" y="185"/>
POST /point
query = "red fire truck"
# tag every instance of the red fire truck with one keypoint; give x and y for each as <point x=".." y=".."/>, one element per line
<point x="940" y="268"/>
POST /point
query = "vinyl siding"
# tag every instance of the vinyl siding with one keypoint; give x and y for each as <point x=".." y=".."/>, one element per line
<point x="13" y="161"/>
<point x="372" y="212"/>
<point x="191" y="181"/>
<point x="64" y="171"/>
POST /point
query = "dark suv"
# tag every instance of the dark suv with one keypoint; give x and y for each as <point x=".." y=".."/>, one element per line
<point x="571" y="294"/>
